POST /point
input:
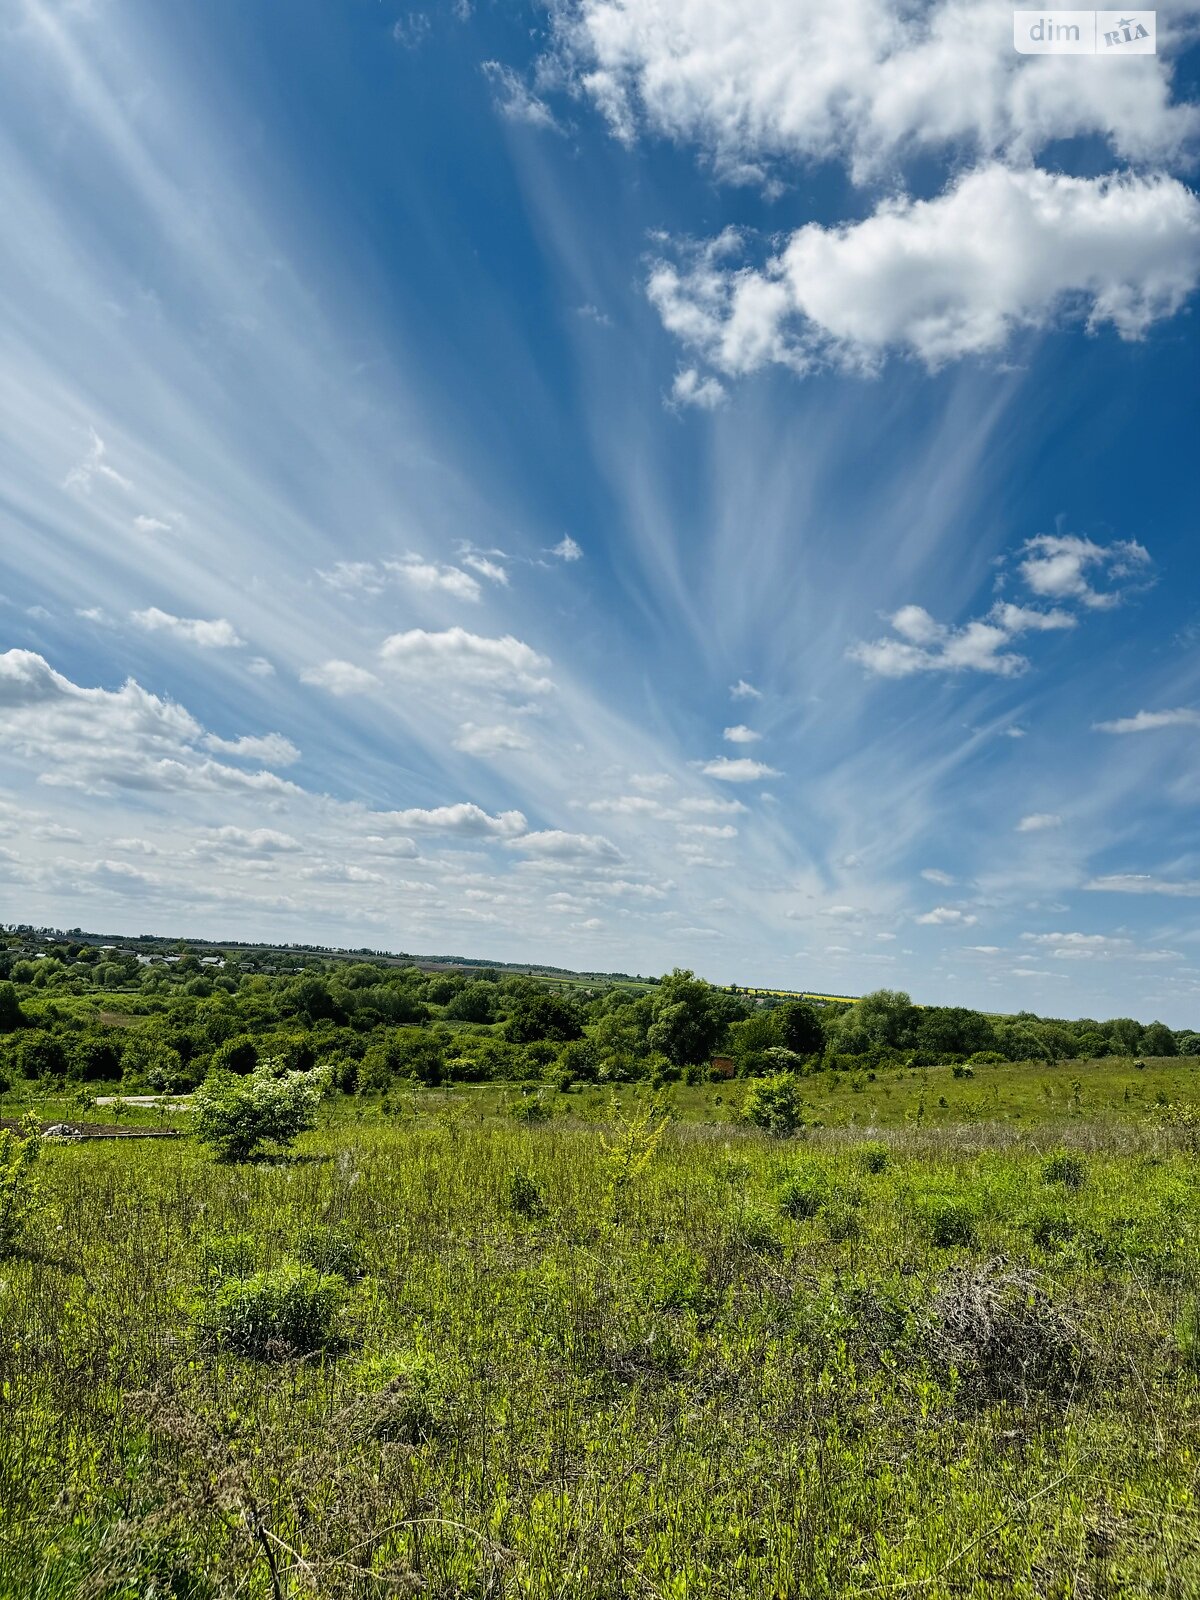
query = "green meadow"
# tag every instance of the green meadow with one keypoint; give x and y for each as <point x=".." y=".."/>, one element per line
<point x="942" y="1341"/>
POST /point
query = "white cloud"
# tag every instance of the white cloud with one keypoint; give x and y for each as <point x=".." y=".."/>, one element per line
<point x="474" y="740"/>
<point x="271" y="747"/>
<point x="1061" y="566"/>
<point x="925" y="645"/>
<point x="567" y="550"/>
<point x="505" y="665"/>
<point x="935" y="875"/>
<point x="208" y="635"/>
<point x="254" y="841"/>
<point x="755" y="81"/>
<point x="560" y="846"/>
<point x="487" y="568"/>
<point x="112" y="739"/>
<point x="738" y="770"/>
<point x="150" y="525"/>
<point x="947" y="916"/>
<point x="353" y="577"/>
<point x="1147" y="721"/>
<point x="742" y="690"/>
<point x="260" y="667"/>
<point x="691" y="389"/>
<point x="340" y="677"/>
<point x="430" y="576"/>
<point x="1001" y="250"/>
<point x="1039" y="821"/>
<point x="515" y="100"/>
<point x="708" y="830"/>
<point x="742" y="735"/>
<point x="1145" y="883"/>
<point x="462" y="818"/>
<point x="95" y="466"/>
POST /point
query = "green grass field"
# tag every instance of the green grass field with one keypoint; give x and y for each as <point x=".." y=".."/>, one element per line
<point x="921" y="1349"/>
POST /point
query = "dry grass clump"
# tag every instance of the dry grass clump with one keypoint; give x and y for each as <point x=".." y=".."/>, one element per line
<point x="996" y="1325"/>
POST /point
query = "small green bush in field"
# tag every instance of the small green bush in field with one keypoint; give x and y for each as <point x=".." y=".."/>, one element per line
<point x="331" y="1248"/>
<point x="874" y="1157"/>
<point x="950" y="1222"/>
<point x="774" y="1105"/>
<point x="757" y="1234"/>
<point x="801" y="1196"/>
<point x="19" y="1198"/>
<point x="230" y="1255"/>
<point x="285" y="1311"/>
<point x="525" y="1198"/>
<point x="1067" y="1169"/>
<point x="237" y="1116"/>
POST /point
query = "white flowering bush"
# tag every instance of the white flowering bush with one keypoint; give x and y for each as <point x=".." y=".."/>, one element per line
<point x="238" y="1116"/>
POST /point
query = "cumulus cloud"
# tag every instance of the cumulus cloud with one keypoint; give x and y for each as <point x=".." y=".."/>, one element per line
<point x="553" y="843"/>
<point x="567" y="550"/>
<point x="742" y="690"/>
<point x="271" y="747"/>
<point x="487" y="568"/>
<point x="947" y="917"/>
<point x="1148" y="721"/>
<point x="1003" y="249"/>
<point x="738" y="769"/>
<point x="253" y="841"/>
<point x="504" y="665"/>
<point x="340" y="677"/>
<point x="1039" y="821"/>
<point x="706" y="393"/>
<point x="126" y="738"/>
<point x="462" y="818"/>
<point x="430" y="576"/>
<point x="1065" y="567"/>
<point x="741" y="734"/>
<point x="217" y="634"/>
<point x="755" y="81"/>
<point x="474" y="740"/>
<point x="922" y="644"/>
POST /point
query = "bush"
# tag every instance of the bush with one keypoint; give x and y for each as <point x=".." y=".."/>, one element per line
<point x="1064" y="1168"/>
<point x="986" y="1058"/>
<point x="950" y="1222"/>
<point x="332" y="1250"/>
<point x="238" y="1116"/>
<point x="774" y="1104"/>
<point x="842" y="1221"/>
<point x="19" y="1198"/>
<point x="531" y="1108"/>
<point x="997" y="1327"/>
<point x="756" y="1234"/>
<point x="289" y="1310"/>
<point x="525" y="1198"/>
<point x="801" y="1196"/>
<point x="874" y="1157"/>
<point x="230" y="1255"/>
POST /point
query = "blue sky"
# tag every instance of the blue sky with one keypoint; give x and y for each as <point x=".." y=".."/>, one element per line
<point x="635" y="484"/>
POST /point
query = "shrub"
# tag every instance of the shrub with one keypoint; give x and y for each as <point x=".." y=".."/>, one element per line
<point x="774" y="1105"/>
<point x="1050" y="1228"/>
<point x="842" y="1221"/>
<point x="801" y="1196"/>
<point x="998" y="1328"/>
<point x="332" y="1249"/>
<point x="874" y="1157"/>
<point x="756" y="1234"/>
<point x="525" y="1198"/>
<point x="986" y="1058"/>
<point x="237" y="1116"/>
<point x="410" y="1409"/>
<point x="950" y="1222"/>
<point x="288" y="1310"/>
<point x="532" y="1108"/>
<point x="230" y="1255"/>
<point x="19" y="1198"/>
<point x="1064" y="1168"/>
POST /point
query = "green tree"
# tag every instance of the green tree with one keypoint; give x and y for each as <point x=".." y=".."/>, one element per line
<point x="774" y="1104"/>
<point x="239" y="1054"/>
<point x="11" y="1015"/>
<point x="689" y="1018"/>
<point x="476" y="1003"/>
<point x="799" y="1028"/>
<point x="1158" y="1040"/>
